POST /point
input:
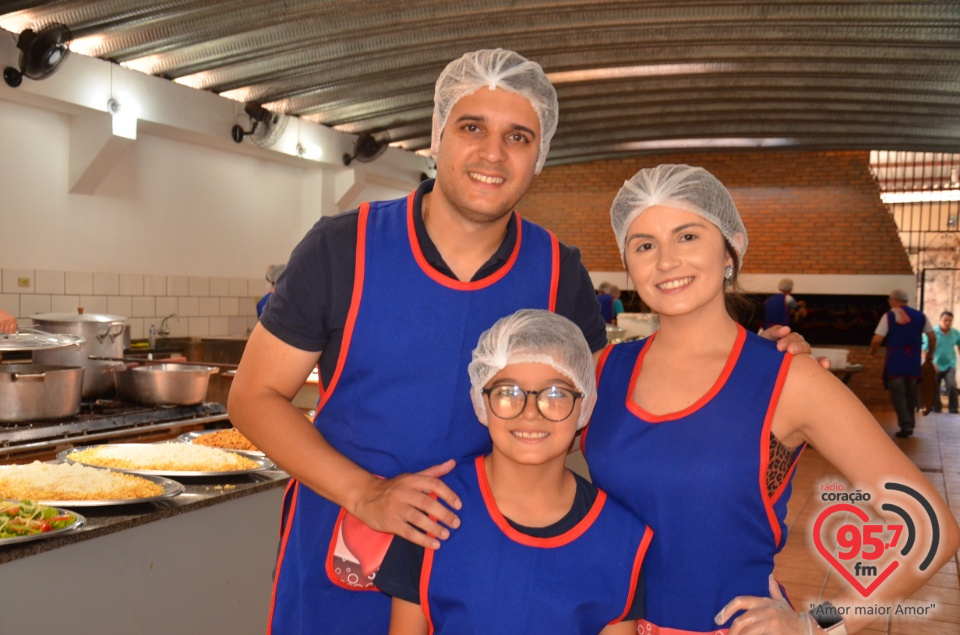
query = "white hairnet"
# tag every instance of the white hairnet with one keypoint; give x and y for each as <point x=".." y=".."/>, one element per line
<point x="496" y="68"/>
<point x="273" y="272"/>
<point x="534" y="335"/>
<point x="683" y="187"/>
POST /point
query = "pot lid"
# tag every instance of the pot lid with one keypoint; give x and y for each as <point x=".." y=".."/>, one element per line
<point x="77" y="317"/>
<point x="33" y="340"/>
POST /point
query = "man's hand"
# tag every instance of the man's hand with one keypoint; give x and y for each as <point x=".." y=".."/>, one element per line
<point x="405" y="505"/>
<point x="790" y="342"/>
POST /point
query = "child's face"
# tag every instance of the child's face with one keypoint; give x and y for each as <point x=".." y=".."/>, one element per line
<point x="530" y="438"/>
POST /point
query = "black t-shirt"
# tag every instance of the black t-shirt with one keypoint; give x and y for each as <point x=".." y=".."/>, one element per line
<point x="308" y="309"/>
<point x="399" y="574"/>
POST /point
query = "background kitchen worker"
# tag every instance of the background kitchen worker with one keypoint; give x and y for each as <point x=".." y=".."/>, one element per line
<point x="363" y="290"/>
<point x="610" y="304"/>
<point x="902" y="327"/>
<point x="273" y="273"/>
<point x="783" y="308"/>
<point x="945" y="359"/>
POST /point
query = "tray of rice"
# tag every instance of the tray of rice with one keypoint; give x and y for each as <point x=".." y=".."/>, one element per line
<point x="75" y="485"/>
<point x="166" y="459"/>
<point x="228" y="439"/>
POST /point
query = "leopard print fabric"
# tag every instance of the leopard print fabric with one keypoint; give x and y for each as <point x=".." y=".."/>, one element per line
<point x="781" y="460"/>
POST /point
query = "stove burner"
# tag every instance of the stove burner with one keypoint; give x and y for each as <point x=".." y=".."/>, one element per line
<point x="101" y="420"/>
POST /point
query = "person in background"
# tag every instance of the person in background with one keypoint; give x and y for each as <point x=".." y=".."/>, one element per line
<point x="8" y="323"/>
<point x="698" y="428"/>
<point x="532" y="384"/>
<point x="783" y="308"/>
<point x="610" y="304"/>
<point x="945" y="360"/>
<point x="273" y="274"/>
<point x="356" y="296"/>
<point x="902" y="328"/>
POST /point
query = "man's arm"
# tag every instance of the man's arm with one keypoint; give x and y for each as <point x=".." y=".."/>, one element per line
<point x="269" y="376"/>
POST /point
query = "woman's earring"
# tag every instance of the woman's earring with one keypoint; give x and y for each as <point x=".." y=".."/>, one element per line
<point x="728" y="272"/>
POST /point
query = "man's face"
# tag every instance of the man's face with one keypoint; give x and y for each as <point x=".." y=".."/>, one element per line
<point x="487" y="155"/>
<point x="946" y="322"/>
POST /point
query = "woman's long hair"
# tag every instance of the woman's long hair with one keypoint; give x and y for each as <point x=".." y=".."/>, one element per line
<point x="738" y="307"/>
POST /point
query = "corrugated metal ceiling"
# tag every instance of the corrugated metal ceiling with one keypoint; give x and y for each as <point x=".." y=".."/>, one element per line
<point x="812" y="75"/>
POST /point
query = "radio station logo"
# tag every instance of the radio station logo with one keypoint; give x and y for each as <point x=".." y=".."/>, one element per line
<point x="866" y="553"/>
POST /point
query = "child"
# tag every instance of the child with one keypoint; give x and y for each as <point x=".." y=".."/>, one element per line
<point x="539" y="549"/>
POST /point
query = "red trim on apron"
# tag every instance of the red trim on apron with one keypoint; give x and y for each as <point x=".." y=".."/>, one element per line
<point x="295" y="486"/>
<point x="768" y="500"/>
<point x="646" y="628"/>
<point x="533" y="541"/>
<point x="451" y="283"/>
<point x="635" y="408"/>
<point x="604" y="354"/>
<point x="354" y="306"/>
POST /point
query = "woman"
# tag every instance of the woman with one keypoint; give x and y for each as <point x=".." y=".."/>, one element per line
<point x="698" y="428"/>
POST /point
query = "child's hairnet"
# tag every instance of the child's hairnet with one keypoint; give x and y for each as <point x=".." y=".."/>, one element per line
<point x="684" y="187"/>
<point x="534" y="335"/>
<point x="496" y="68"/>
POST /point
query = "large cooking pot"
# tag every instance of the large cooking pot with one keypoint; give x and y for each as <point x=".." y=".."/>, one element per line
<point x="104" y="335"/>
<point x="29" y="392"/>
<point x="163" y="384"/>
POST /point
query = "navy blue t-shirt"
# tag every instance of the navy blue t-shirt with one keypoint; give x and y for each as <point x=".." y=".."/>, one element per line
<point x="308" y="309"/>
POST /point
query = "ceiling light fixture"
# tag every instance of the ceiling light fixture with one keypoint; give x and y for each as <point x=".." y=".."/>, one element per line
<point x="892" y="198"/>
<point x="732" y="142"/>
<point x="628" y="72"/>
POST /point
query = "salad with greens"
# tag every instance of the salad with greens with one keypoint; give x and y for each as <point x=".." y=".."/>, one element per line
<point x="28" y="518"/>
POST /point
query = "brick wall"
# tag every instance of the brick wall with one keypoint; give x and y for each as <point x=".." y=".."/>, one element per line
<point x="805" y="212"/>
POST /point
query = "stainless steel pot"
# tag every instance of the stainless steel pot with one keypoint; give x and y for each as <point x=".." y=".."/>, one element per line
<point x="104" y="335"/>
<point x="162" y="384"/>
<point x="29" y="392"/>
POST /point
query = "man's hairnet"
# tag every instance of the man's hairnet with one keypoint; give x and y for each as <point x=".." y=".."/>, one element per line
<point x="683" y="187"/>
<point x="496" y="68"/>
<point x="534" y="335"/>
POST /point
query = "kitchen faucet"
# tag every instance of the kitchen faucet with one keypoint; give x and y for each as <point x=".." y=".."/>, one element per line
<point x="164" y="329"/>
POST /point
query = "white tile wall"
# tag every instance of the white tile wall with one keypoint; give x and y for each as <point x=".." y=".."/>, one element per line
<point x="203" y="306"/>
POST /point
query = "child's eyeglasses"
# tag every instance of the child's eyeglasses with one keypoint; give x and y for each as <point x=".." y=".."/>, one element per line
<point x="555" y="403"/>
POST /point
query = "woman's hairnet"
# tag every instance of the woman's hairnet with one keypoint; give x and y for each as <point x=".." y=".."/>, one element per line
<point x="273" y="272"/>
<point x="534" y="335"/>
<point x="496" y="68"/>
<point x="684" y="187"/>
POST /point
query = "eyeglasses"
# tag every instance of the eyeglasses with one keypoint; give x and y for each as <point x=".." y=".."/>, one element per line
<point x="554" y="403"/>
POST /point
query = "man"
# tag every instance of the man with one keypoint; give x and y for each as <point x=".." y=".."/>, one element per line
<point x="783" y="308"/>
<point x="903" y="328"/>
<point x="945" y="360"/>
<point x="395" y="295"/>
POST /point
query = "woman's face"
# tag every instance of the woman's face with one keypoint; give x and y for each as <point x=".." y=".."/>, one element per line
<point x="676" y="260"/>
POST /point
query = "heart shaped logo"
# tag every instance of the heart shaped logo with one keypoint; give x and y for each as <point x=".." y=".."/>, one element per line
<point x="833" y="560"/>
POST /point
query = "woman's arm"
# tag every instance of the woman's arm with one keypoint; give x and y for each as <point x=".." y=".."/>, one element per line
<point x="817" y="408"/>
<point x="407" y="618"/>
